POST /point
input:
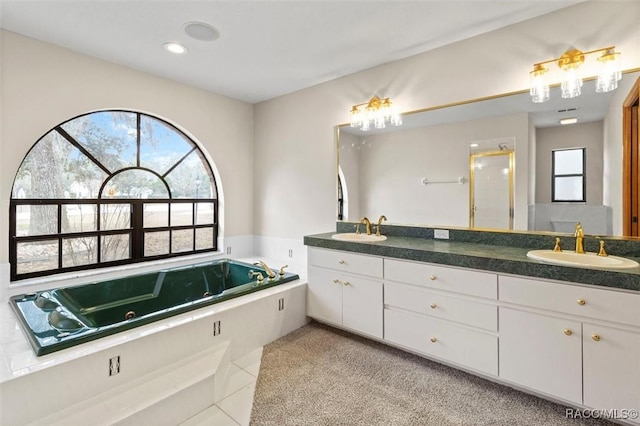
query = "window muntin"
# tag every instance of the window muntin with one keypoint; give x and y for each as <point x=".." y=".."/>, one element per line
<point x="89" y="190"/>
<point x="568" y="181"/>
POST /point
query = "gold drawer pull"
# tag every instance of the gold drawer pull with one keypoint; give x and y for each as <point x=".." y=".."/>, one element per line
<point x="433" y="306"/>
<point x="581" y="302"/>
<point x="342" y="262"/>
<point x="568" y="332"/>
<point x="595" y="337"/>
<point x="346" y="283"/>
<point x="432" y="277"/>
<point x="336" y="281"/>
<point x="433" y="340"/>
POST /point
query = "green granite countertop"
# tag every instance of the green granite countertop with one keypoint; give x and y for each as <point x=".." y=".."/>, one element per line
<point x="486" y="257"/>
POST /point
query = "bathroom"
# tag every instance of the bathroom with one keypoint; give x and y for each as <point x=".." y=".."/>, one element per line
<point x="289" y="190"/>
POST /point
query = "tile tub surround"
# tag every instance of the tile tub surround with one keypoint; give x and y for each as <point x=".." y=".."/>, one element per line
<point x="502" y="252"/>
<point x="24" y="377"/>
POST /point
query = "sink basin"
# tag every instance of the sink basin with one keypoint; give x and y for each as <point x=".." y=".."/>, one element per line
<point x="358" y="238"/>
<point x="586" y="260"/>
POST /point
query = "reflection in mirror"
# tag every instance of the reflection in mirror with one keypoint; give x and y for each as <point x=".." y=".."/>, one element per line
<point x="385" y="171"/>
<point x="491" y="189"/>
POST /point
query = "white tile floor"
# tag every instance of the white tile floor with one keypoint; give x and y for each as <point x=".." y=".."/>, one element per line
<point x="235" y="407"/>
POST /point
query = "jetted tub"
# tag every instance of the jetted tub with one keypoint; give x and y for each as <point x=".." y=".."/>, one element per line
<point x="65" y="317"/>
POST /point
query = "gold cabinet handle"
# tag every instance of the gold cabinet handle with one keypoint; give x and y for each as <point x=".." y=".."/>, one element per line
<point x="581" y="302"/>
<point x="342" y="262"/>
<point x="336" y="281"/>
<point x="346" y="283"/>
<point x="568" y="332"/>
<point x="433" y="306"/>
<point x="433" y="340"/>
<point x="432" y="277"/>
<point x="595" y="337"/>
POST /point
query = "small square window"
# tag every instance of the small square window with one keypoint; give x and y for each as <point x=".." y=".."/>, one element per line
<point x="568" y="175"/>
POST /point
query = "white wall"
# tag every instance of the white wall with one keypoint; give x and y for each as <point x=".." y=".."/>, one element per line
<point x="43" y="85"/>
<point x="580" y="135"/>
<point x="295" y="131"/>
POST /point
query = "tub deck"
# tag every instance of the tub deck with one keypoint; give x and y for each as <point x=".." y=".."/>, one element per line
<point x="61" y="318"/>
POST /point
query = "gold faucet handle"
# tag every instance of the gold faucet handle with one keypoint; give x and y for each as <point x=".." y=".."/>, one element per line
<point x="254" y="274"/>
<point x="383" y="217"/>
<point x="281" y="273"/>
<point x="602" y="251"/>
<point x="557" y="247"/>
<point x="358" y="229"/>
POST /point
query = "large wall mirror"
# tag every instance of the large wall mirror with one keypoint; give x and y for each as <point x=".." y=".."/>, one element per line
<point x="420" y="173"/>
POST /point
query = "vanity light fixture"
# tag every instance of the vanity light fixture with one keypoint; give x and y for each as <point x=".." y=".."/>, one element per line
<point x="571" y="85"/>
<point x="377" y="113"/>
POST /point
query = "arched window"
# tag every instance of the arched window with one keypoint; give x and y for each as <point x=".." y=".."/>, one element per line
<point x="109" y="188"/>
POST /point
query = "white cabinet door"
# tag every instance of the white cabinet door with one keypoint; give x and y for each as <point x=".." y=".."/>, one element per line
<point x="324" y="295"/>
<point x="611" y="368"/>
<point x="346" y="300"/>
<point x="541" y="352"/>
<point x="362" y="305"/>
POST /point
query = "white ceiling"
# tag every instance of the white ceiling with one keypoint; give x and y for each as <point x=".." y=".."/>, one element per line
<point x="266" y="48"/>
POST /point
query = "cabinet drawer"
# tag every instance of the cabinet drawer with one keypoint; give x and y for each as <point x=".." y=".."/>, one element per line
<point x="473" y="283"/>
<point x="609" y="305"/>
<point x="346" y="262"/>
<point x="438" y="305"/>
<point x="459" y="345"/>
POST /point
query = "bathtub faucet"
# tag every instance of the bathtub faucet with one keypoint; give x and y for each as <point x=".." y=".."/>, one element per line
<point x="266" y="268"/>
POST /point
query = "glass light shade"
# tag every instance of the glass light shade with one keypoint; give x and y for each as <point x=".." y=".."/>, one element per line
<point x="572" y="84"/>
<point x="610" y="72"/>
<point x="356" y="117"/>
<point x="539" y="90"/>
<point x="396" y="118"/>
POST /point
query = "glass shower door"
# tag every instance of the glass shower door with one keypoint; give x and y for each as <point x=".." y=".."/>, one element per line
<point x="491" y="190"/>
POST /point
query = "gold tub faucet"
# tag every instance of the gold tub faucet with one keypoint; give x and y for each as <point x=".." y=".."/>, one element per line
<point x="266" y="268"/>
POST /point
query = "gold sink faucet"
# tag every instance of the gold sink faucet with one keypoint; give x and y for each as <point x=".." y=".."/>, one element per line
<point x="383" y="217"/>
<point x="367" y="224"/>
<point x="579" y="238"/>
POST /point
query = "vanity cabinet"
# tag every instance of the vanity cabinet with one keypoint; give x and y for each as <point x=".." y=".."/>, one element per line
<point x="447" y="313"/>
<point x="572" y="342"/>
<point x="577" y="343"/>
<point x="345" y="289"/>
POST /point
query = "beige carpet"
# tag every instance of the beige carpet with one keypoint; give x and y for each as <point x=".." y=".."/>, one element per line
<point x="319" y="375"/>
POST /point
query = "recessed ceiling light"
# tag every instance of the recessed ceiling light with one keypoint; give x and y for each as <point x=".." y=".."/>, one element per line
<point x="201" y="31"/>
<point x="176" y="48"/>
<point x="571" y="120"/>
